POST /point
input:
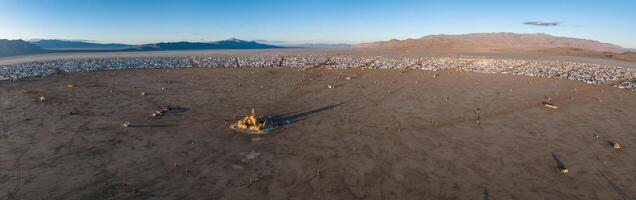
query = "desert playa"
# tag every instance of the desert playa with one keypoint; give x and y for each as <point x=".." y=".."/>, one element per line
<point x="317" y="100"/>
<point x="390" y="134"/>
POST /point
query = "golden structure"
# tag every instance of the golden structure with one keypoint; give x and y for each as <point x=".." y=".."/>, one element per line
<point x="252" y="123"/>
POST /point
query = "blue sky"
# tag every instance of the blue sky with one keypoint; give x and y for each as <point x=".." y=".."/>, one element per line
<point x="310" y="21"/>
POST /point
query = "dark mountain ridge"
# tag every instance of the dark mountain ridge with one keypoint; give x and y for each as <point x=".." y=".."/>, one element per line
<point x="18" y="47"/>
<point x="68" y="44"/>
<point x="232" y="43"/>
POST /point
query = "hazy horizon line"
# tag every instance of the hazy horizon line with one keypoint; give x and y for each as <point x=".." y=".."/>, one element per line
<point x="286" y="42"/>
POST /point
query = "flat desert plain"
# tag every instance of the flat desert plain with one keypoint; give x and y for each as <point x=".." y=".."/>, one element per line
<point x="391" y="134"/>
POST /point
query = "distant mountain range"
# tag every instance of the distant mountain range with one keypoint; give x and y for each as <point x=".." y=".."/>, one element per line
<point x="320" y="45"/>
<point x="18" y="47"/>
<point x="232" y="43"/>
<point x="306" y="45"/>
<point x="493" y="42"/>
<point x="70" y="44"/>
<point x="499" y="42"/>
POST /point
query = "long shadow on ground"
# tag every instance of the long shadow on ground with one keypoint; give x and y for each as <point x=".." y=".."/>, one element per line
<point x="290" y="118"/>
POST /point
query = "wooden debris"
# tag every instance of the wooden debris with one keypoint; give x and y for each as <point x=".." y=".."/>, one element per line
<point x="535" y="133"/>
<point x="162" y="111"/>
<point x="546" y="102"/>
<point x="560" y="165"/>
<point x="549" y="105"/>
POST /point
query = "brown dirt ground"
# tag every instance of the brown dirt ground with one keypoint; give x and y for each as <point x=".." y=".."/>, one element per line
<point x="398" y="135"/>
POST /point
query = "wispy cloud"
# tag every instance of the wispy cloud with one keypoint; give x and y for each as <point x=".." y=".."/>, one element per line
<point x="542" y="23"/>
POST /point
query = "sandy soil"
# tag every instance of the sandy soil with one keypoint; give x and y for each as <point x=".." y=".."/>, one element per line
<point x="397" y="135"/>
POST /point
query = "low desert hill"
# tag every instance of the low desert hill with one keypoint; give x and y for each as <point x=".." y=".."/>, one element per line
<point x="494" y="42"/>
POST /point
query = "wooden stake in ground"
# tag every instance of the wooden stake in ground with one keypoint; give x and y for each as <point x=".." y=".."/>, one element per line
<point x="614" y="144"/>
<point x="611" y="142"/>
<point x="477" y="115"/>
<point x="560" y="166"/>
